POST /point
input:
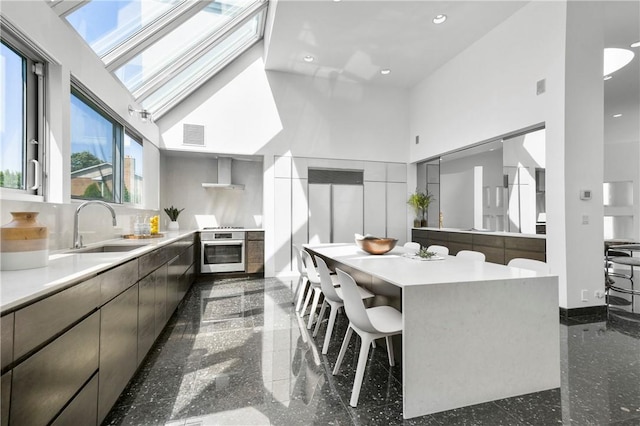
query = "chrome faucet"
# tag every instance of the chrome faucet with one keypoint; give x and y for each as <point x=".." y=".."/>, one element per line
<point x="77" y="238"/>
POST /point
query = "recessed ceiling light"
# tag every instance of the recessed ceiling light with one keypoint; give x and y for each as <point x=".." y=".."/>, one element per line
<point x="385" y="71"/>
<point x="636" y="44"/>
<point x="439" y="19"/>
<point x="308" y="58"/>
<point x="615" y="58"/>
<point x="607" y="77"/>
<point x="617" y="115"/>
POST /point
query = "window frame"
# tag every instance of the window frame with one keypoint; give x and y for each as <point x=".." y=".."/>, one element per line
<point x="138" y="139"/>
<point x="34" y="141"/>
<point x="120" y="128"/>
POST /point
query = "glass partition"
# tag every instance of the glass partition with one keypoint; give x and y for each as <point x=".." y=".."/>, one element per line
<point x="497" y="185"/>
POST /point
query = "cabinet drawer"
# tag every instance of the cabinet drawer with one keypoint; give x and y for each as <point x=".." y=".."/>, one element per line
<point x="6" y="325"/>
<point x="46" y="381"/>
<point x="455" y="247"/>
<point x="460" y="238"/>
<point x="83" y="410"/>
<point x="37" y="323"/>
<point x="488" y="241"/>
<point x="255" y="252"/>
<point x="255" y="235"/>
<point x="418" y="233"/>
<point x="527" y="244"/>
<point x="492" y="254"/>
<point x="151" y="261"/>
<point x="117" y="280"/>
<point x="5" y="392"/>
<point x="438" y="235"/>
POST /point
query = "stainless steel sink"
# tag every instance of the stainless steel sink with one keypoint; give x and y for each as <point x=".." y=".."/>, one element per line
<point x="108" y="248"/>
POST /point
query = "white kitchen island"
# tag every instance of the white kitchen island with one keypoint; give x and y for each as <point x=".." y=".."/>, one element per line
<point x="473" y="331"/>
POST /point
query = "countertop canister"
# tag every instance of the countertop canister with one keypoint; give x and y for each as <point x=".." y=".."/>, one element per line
<point x="24" y="243"/>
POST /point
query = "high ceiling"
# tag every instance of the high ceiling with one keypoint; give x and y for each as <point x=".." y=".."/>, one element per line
<point x="355" y="40"/>
<point x="173" y="46"/>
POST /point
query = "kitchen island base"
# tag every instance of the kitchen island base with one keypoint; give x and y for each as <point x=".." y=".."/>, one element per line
<point x="473" y="332"/>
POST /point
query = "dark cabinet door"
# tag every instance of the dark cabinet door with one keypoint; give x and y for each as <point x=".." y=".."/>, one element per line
<point x="118" y="348"/>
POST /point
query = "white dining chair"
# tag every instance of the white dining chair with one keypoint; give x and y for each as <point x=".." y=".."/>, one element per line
<point x="412" y="247"/>
<point x="332" y="299"/>
<point x="370" y="324"/>
<point x="302" y="281"/>
<point x="315" y="290"/>
<point x="534" y="265"/>
<point x="442" y="250"/>
<point x="471" y="255"/>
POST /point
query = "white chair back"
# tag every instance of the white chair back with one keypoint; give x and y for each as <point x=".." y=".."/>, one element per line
<point x="412" y="247"/>
<point x="312" y="274"/>
<point x="301" y="267"/>
<point x="534" y="265"/>
<point x="353" y="305"/>
<point x="439" y="249"/>
<point x="471" y="255"/>
<point x="325" y="281"/>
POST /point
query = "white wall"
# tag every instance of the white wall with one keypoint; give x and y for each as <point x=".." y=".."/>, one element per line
<point x="247" y="110"/>
<point x="181" y="184"/>
<point x="490" y="89"/>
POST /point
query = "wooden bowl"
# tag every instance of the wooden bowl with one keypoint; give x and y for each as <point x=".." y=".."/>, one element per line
<point x="376" y="245"/>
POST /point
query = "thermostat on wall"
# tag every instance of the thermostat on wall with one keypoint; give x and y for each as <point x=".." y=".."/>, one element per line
<point x="585" y="194"/>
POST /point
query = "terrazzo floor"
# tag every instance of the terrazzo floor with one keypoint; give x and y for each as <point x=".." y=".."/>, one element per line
<point x="236" y="353"/>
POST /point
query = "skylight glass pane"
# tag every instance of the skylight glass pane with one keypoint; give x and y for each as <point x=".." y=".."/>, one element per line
<point x="208" y="64"/>
<point x="105" y="24"/>
<point x="179" y="42"/>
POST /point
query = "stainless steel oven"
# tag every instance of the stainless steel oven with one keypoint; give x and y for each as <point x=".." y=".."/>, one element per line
<point x="222" y="251"/>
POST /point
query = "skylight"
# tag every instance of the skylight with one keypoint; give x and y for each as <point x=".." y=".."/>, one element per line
<point x="162" y="50"/>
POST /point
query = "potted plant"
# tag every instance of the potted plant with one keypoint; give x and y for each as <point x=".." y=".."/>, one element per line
<point x="173" y="214"/>
<point x="420" y="202"/>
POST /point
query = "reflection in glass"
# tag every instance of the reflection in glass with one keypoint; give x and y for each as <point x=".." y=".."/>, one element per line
<point x="105" y="24"/>
<point x="92" y="152"/>
<point x="178" y="42"/>
<point x="133" y="171"/>
<point x="12" y="135"/>
<point x="618" y="194"/>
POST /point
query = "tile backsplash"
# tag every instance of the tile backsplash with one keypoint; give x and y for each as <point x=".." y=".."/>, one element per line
<point x="95" y="222"/>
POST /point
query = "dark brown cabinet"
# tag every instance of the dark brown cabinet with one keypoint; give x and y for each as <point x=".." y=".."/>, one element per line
<point x="64" y="365"/>
<point x="254" y="252"/>
<point x="497" y="248"/>
<point x="67" y="357"/>
<point x="118" y="348"/>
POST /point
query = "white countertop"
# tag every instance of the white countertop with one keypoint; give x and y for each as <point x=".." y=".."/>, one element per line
<point x="403" y="271"/>
<point x="23" y="286"/>
<point x="477" y="231"/>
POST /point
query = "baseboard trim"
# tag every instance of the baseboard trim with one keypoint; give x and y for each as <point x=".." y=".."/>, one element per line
<point x="578" y="312"/>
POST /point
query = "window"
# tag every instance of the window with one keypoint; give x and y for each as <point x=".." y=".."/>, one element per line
<point x="106" y="158"/>
<point x="96" y="142"/>
<point x="132" y="191"/>
<point x="21" y="115"/>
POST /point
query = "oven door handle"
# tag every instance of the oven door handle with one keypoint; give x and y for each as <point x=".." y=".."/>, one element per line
<point x="223" y="242"/>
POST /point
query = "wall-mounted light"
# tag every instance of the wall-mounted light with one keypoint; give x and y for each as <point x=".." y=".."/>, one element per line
<point x="142" y="113"/>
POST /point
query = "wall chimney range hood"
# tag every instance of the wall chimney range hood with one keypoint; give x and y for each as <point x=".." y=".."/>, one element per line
<point x="224" y="176"/>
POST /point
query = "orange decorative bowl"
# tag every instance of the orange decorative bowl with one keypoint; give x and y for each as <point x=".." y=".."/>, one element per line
<point x="376" y="245"/>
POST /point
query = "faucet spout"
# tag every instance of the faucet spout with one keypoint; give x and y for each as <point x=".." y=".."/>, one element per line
<point x="77" y="238"/>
